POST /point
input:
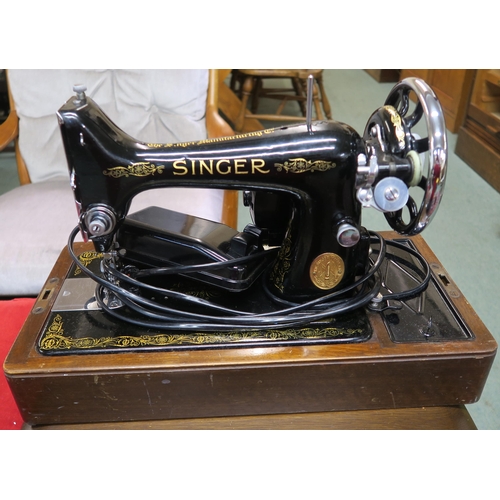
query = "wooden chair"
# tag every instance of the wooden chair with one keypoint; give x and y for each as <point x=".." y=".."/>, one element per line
<point x="218" y="127"/>
<point x="249" y="84"/>
<point x="35" y="217"/>
<point x="215" y="124"/>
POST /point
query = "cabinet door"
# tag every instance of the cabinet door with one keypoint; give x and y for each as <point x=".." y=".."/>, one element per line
<point x="425" y="74"/>
<point x="452" y="87"/>
<point x="478" y="142"/>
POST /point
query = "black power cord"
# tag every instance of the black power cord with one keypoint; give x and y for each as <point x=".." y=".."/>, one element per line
<point x="136" y="308"/>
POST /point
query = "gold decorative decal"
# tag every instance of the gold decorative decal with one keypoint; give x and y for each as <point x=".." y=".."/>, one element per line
<point x="85" y="259"/>
<point x="258" y="133"/>
<point x="398" y="125"/>
<point x="283" y="264"/>
<point x="223" y="166"/>
<point x="141" y="169"/>
<point x="300" y="165"/>
<point x="326" y="271"/>
<point x="54" y="339"/>
<point x="156" y="145"/>
<point x="54" y="336"/>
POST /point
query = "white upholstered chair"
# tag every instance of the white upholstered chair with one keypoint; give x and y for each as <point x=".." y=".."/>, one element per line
<point x="150" y="105"/>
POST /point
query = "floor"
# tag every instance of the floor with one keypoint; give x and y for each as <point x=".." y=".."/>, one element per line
<point x="464" y="235"/>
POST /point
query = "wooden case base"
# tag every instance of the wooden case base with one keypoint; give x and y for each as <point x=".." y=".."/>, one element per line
<point x="195" y="384"/>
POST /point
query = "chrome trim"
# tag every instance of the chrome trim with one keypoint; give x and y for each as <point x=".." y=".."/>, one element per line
<point x="436" y="161"/>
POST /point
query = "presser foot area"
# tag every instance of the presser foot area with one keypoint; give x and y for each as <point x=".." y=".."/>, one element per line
<point x="77" y="324"/>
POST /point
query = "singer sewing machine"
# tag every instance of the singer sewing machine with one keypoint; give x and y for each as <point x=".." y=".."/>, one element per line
<point x="305" y="185"/>
<point x="305" y="288"/>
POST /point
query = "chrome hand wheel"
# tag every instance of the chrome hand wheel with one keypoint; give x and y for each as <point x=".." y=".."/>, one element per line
<point x="434" y="145"/>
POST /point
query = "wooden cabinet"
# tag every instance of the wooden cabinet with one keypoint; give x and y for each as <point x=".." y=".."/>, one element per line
<point x="384" y="75"/>
<point x="452" y="87"/>
<point x="478" y="142"/>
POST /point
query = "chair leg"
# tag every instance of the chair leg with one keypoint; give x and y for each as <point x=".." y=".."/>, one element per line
<point x="324" y="98"/>
<point x="246" y="92"/>
<point x="317" y="104"/>
<point x="299" y="90"/>
<point x="254" y="105"/>
<point x="233" y="81"/>
<point x="236" y="82"/>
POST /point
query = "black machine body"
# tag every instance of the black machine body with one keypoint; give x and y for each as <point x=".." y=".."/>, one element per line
<point x="305" y="185"/>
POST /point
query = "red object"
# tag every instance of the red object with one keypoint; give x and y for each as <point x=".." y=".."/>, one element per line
<point x="13" y="313"/>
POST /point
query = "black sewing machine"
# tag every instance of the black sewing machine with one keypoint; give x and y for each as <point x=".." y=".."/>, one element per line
<point x="303" y="311"/>
<point x="305" y="260"/>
